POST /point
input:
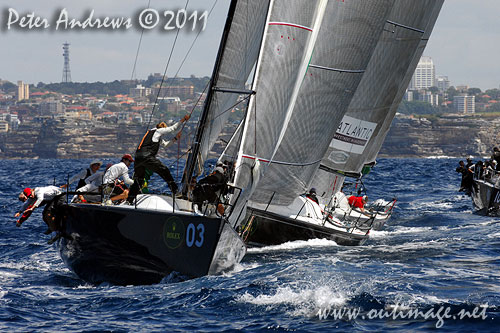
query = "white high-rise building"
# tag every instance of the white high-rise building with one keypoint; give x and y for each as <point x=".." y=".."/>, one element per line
<point x="465" y="103"/>
<point x="442" y="83"/>
<point x="424" y="76"/>
<point x="23" y="91"/>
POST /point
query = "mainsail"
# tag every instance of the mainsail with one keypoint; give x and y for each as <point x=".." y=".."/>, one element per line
<point x="363" y="128"/>
<point x="236" y="59"/>
<point x="434" y="9"/>
<point x="301" y="95"/>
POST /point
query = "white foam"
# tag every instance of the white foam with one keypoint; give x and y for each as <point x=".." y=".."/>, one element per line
<point x="443" y="205"/>
<point x="374" y="234"/>
<point x="241" y="267"/>
<point x="294" y="245"/>
<point x="377" y="234"/>
<point x="305" y="302"/>
<point x="439" y="157"/>
<point x="8" y="275"/>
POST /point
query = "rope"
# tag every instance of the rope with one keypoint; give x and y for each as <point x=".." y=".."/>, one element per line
<point x="138" y="48"/>
<point x="165" y="72"/>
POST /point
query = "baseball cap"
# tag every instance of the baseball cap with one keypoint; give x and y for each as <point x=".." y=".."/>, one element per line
<point x="128" y="157"/>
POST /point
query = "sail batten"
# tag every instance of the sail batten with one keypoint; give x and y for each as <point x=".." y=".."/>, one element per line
<point x="355" y="71"/>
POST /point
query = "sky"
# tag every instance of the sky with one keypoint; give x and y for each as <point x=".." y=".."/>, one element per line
<point x="464" y="44"/>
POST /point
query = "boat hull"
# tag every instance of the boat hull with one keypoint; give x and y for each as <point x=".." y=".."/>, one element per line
<point x="268" y="228"/>
<point x="486" y="198"/>
<point x="126" y="246"/>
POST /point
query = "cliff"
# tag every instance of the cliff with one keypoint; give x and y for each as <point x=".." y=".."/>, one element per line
<point x="448" y="135"/>
<point x="409" y="136"/>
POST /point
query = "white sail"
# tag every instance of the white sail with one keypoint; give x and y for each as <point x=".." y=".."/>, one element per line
<point x="282" y="60"/>
<point x="237" y="60"/>
<point x="434" y="8"/>
<point x="360" y="134"/>
<point x="289" y="128"/>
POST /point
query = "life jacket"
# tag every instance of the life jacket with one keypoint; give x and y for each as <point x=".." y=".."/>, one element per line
<point x="81" y="182"/>
<point x="147" y="147"/>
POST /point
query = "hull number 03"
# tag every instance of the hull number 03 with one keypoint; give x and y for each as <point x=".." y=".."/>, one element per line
<point x="194" y="235"/>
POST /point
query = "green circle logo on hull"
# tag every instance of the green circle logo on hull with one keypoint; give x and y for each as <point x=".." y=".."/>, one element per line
<point x="173" y="232"/>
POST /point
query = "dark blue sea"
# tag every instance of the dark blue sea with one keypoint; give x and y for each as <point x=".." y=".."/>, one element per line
<point x="434" y="254"/>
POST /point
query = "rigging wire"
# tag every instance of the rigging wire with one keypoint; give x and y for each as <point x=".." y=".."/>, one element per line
<point x="227" y="110"/>
<point x="138" y="48"/>
<point x="165" y="72"/>
<point x="179" y="69"/>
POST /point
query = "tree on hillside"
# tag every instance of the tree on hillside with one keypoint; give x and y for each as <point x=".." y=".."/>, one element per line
<point x="433" y="89"/>
<point x="474" y="91"/>
<point x="8" y="87"/>
<point x="417" y="107"/>
<point x="452" y="92"/>
<point x="493" y="93"/>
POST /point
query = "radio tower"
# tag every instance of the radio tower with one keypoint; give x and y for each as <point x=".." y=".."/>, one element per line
<point x="66" y="77"/>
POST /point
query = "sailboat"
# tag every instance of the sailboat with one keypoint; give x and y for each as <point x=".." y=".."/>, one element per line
<point x="486" y="194"/>
<point x="359" y="137"/>
<point x="353" y="147"/>
<point x="159" y="235"/>
<point x="328" y="51"/>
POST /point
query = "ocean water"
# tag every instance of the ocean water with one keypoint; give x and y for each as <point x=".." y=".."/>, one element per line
<point x="434" y="254"/>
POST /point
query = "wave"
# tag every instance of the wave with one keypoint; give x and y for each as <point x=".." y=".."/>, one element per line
<point x="439" y="157"/>
<point x="294" y="245"/>
<point x="305" y="302"/>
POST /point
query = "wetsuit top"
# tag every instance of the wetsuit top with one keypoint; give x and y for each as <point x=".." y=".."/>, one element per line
<point x="81" y="177"/>
<point x="81" y="182"/>
<point x="313" y="197"/>
<point x="150" y="143"/>
<point x="356" y="201"/>
<point x="216" y="181"/>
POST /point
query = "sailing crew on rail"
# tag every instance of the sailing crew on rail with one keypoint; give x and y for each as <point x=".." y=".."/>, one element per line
<point x="145" y="156"/>
<point x="84" y="174"/>
<point x="111" y="179"/>
<point x="93" y="183"/>
<point x="358" y="202"/>
<point x="36" y="197"/>
<point x="312" y="195"/>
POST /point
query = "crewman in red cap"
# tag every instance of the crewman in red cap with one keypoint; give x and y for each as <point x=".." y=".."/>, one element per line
<point x="36" y="197"/>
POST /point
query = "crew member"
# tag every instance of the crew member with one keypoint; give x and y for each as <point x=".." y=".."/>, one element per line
<point x="145" y="156"/>
<point x="496" y="157"/>
<point x="358" y="202"/>
<point x="208" y="188"/>
<point x="112" y="177"/>
<point x="312" y="195"/>
<point x="93" y="183"/>
<point x="50" y="196"/>
<point x="84" y="174"/>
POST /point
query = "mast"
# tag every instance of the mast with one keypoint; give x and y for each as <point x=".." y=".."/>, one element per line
<point x="195" y="148"/>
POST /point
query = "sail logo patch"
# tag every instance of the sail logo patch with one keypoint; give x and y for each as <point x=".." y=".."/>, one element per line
<point x="353" y="135"/>
<point x="338" y="157"/>
<point x="173" y="232"/>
